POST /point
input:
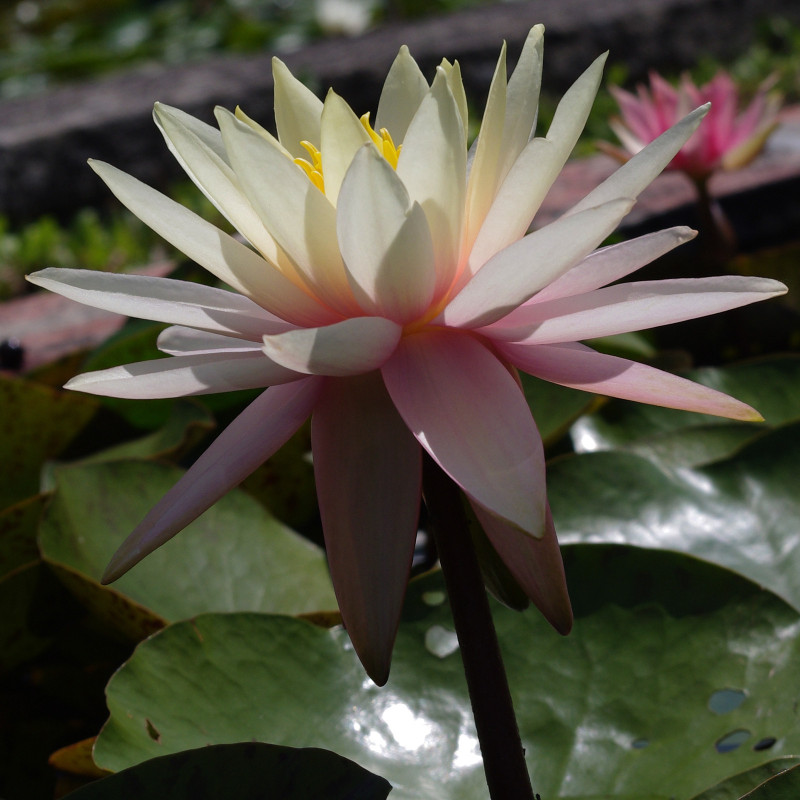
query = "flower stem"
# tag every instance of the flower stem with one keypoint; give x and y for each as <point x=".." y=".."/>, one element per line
<point x="501" y="747"/>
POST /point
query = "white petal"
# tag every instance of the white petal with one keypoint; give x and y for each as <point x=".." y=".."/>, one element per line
<point x="231" y="261"/>
<point x="385" y="241"/>
<point x="518" y="272"/>
<point x="200" y="151"/>
<point x="177" y="340"/>
<point x="533" y="173"/>
<point x="611" y="263"/>
<point x="297" y="111"/>
<point x="432" y="165"/>
<point x="633" y="176"/>
<point x="342" y="136"/>
<point x="294" y="211"/>
<point x="351" y="347"/>
<point x="403" y="91"/>
<point x="183" y="376"/>
<point x="635" y="306"/>
<point x="162" y="300"/>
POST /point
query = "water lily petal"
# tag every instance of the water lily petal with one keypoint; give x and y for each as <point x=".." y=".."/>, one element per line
<point x="580" y="367"/>
<point x="368" y="471"/>
<point x="297" y="111"/>
<point x="384" y="240"/>
<point x="261" y="429"/>
<point x="469" y="413"/>
<point x="177" y="340"/>
<point x="529" y="179"/>
<point x="632" y="307"/>
<point x="295" y="212"/>
<point x="515" y="274"/>
<point x="229" y="260"/>
<point x="522" y="99"/>
<point x="351" y="347"/>
<point x="183" y="376"/>
<point x="633" y="176"/>
<point x="432" y="165"/>
<point x="609" y="264"/>
<point x="199" y="149"/>
<point x="403" y="91"/>
<point x="342" y="136"/>
<point x="536" y="565"/>
<point x="163" y="300"/>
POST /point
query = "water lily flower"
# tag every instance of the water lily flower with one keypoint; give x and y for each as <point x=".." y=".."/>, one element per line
<point x="728" y="139"/>
<point x="390" y="291"/>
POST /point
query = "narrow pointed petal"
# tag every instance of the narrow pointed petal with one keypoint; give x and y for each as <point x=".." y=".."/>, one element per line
<point x="295" y="212"/>
<point x="614" y="262"/>
<point x="184" y="376"/>
<point x="580" y="367"/>
<point x="297" y="111"/>
<point x="342" y="136"/>
<point x="534" y="172"/>
<point x="468" y="412"/>
<point x="163" y="300"/>
<point x="515" y="274"/>
<point x="633" y="176"/>
<point x="229" y="260"/>
<point x="632" y="307"/>
<point x="199" y="149"/>
<point x="536" y="565"/>
<point x="403" y="91"/>
<point x="384" y="240"/>
<point x="177" y="341"/>
<point x="522" y="98"/>
<point x="433" y="165"/>
<point x="484" y="174"/>
<point x="368" y="471"/>
<point x="357" y="345"/>
<point x="261" y="429"/>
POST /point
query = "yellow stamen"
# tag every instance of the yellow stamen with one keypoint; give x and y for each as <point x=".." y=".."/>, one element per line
<point x="312" y="168"/>
<point x="383" y="141"/>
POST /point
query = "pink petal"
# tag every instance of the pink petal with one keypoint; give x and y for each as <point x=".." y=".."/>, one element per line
<point x="632" y="306"/>
<point x="535" y="564"/>
<point x="183" y="376"/>
<point x="261" y="429"/>
<point x="368" y="469"/>
<point x="469" y="413"/>
<point x="580" y="367"/>
<point x="179" y="341"/>
<point x="351" y="347"/>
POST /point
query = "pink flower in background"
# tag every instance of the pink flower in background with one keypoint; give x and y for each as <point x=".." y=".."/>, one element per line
<point x="390" y="290"/>
<point x="726" y="139"/>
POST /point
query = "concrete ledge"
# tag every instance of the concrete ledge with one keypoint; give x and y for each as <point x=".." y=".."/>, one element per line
<point x="46" y="139"/>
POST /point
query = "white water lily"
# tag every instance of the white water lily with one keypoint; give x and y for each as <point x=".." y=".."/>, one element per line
<point x="390" y="290"/>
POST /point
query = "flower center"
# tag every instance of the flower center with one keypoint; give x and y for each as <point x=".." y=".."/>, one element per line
<point x="381" y="139"/>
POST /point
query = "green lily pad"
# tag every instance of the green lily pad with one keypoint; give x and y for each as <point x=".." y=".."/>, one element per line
<point x="741" y="512"/>
<point x="738" y="785"/>
<point x="784" y="786"/>
<point x="18" y="525"/>
<point x="36" y="424"/>
<point x="771" y="385"/>
<point x="625" y="706"/>
<point x="554" y="407"/>
<point x="235" y="557"/>
<point x="246" y="771"/>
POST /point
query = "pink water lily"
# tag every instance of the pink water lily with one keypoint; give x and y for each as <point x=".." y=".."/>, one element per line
<point x="727" y="139"/>
<point x="390" y="291"/>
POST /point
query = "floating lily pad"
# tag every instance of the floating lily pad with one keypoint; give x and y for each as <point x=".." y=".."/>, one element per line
<point x="234" y="557"/>
<point x="737" y="786"/>
<point x="608" y="711"/>
<point x="784" y="786"/>
<point x="771" y="385"/>
<point x="246" y="771"/>
<point x="18" y="525"/>
<point x="36" y="424"/>
<point x="741" y="512"/>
